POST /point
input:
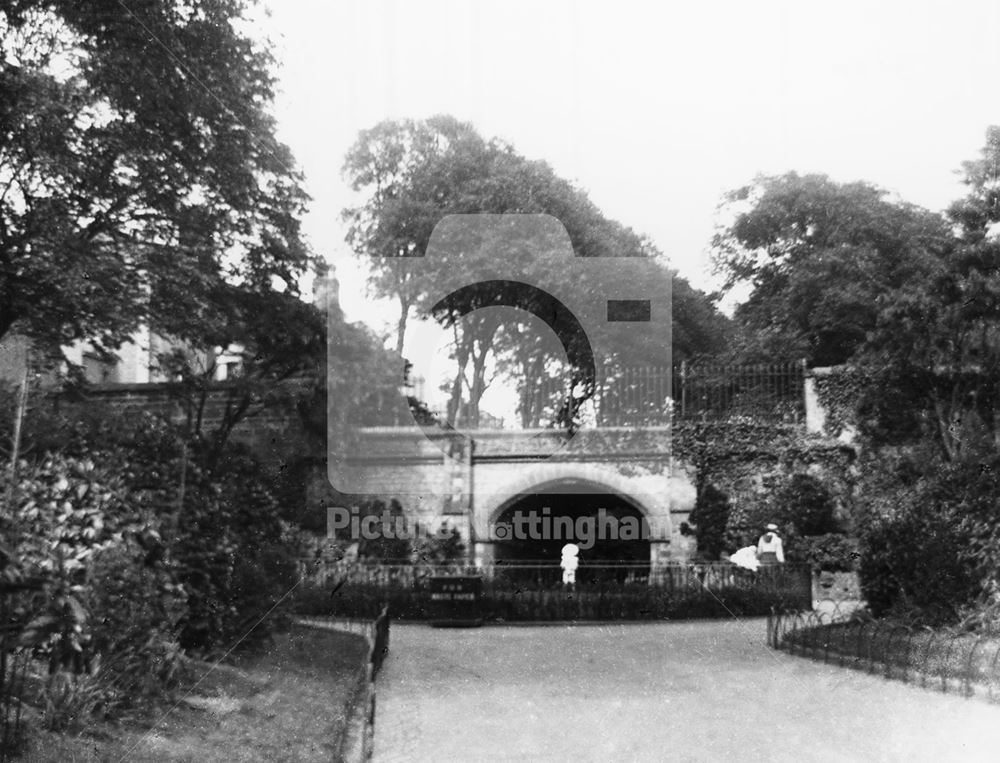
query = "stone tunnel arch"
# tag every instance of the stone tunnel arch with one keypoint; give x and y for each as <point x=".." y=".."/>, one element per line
<point x="648" y="495"/>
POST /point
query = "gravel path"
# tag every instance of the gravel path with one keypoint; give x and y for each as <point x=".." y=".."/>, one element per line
<point x="685" y="691"/>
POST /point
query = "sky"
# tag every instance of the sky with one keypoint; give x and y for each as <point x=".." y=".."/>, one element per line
<point x="655" y="110"/>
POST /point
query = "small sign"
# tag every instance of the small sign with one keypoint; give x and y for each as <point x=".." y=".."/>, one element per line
<point x="454" y="601"/>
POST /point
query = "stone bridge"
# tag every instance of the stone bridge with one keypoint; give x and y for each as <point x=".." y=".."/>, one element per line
<point x="468" y="481"/>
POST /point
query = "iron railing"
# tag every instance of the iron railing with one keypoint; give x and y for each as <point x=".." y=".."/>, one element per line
<point x="535" y="592"/>
<point x="772" y="392"/>
<point x="544" y="573"/>
<point x="955" y="661"/>
<point x="14" y="661"/>
<point x="649" y="396"/>
<point x="360" y="704"/>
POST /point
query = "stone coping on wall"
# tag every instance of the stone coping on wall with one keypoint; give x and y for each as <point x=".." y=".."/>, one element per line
<point x="613" y="442"/>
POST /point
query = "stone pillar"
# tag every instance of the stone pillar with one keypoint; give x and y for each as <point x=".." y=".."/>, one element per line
<point x="659" y="555"/>
<point x="484" y="553"/>
<point x="815" y="412"/>
<point x="683" y="548"/>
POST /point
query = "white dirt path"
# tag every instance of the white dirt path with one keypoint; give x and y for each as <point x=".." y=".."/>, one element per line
<point x="685" y="691"/>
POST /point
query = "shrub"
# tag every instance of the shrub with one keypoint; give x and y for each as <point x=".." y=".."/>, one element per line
<point x="749" y="517"/>
<point x="67" y="511"/>
<point x="710" y="515"/>
<point x="832" y="552"/>
<point x="237" y="558"/>
<point x="135" y="607"/>
<point x="439" y="547"/>
<point x="105" y="617"/>
<point x="801" y="506"/>
<point x="913" y="563"/>
<point x="68" y="699"/>
<point x="933" y="550"/>
<point x="385" y="548"/>
<point x="806" y="503"/>
<point x="226" y="544"/>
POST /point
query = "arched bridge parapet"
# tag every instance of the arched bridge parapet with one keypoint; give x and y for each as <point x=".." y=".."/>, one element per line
<point x="472" y="485"/>
<point x="649" y="493"/>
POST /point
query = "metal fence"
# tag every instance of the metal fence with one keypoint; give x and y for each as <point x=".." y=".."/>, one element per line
<point x="535" y="592"/>
<point x="379" y="641"/>
<point x="650" y="396"/>
<point x="14" y="661"/>
<point x="773" y="392"/>
<point x="378" y="648"/>
<point x="542" y="573"/>
<point x="360" y="705"/>
<point x="13" y="666"/>
<point x="968" y="663"/>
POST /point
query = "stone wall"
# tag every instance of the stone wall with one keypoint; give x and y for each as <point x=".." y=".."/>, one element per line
<point x="465" y="481"/>
<point x="754" y="482"/>
<point x="276" y="435"/>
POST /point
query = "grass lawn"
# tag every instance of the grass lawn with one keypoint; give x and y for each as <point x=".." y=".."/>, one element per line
<point x="285" y="703"/>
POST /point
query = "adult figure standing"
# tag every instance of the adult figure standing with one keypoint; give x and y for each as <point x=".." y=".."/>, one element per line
<point x="770" y="549"/>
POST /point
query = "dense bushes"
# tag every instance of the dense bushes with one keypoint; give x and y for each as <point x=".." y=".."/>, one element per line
<point x="103" y="616"/>
<point x="831" y="552"/>
<point x="806" y="505"/>
<point x="710" y="516"/>
<point x="913" y="563"/>
<point x="143" y="544"/>
<point x="505" y="603"/>
<point x="134" y="611"/>
<point x="804" y="510"/>
<point x="930" y="547"/>
<point x="234" y="555"/>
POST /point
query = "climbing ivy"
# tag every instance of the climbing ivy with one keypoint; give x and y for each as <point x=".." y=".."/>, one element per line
<point x="723" y="452"/>
<point x="708" y="444"/>
<point x="840" y="390"/>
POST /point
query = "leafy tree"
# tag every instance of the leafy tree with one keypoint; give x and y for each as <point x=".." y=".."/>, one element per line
<point x="411" y="174"/>
<point x="937" y="340"/>
<point x="406" y="188"/>
<point x="140" y="170"/>
<point x="281" y="344"/>
<point x="978" y="212"/>
<point x="843" y="274"/>
<point x="824" y="259"/>
<point x="911" y="300"/>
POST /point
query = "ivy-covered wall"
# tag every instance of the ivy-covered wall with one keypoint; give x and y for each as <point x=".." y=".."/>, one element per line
<point x="753" y="463"/>
<point x="838" y="390"/>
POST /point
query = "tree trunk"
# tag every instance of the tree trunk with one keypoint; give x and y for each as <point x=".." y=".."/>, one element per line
<point x="485" y="330"/>
<point x="15" y="450"/>
<point x="455" y="401"/>
<point x="404" y="315"/>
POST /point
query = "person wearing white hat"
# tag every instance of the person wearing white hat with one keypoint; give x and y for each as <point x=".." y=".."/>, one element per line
<point x="769" y="548"/>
